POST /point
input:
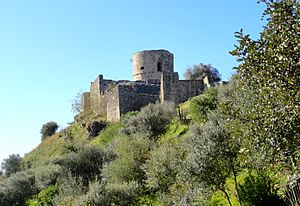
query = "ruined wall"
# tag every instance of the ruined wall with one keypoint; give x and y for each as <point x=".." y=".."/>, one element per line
<point x="132" y="98"/>
<point x="155" y="80"/>
<point x="113" y="104"/>
<point x="97" y="94"/>
<point x="173" y="89"/>
<point x="124" y="98"/>
<point x="185" y="89"/>
<point x="86" y="101"/>
<point x="149" y="64"/>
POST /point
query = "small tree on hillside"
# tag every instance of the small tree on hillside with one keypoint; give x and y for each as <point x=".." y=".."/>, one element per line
<point x="77" y="103"/>
<point x="12" y="164"/>
<point x="200" y="71"/>
<point x="48" y="129"/>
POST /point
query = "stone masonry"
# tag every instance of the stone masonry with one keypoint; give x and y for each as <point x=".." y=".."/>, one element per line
<point x="154" y="81"/>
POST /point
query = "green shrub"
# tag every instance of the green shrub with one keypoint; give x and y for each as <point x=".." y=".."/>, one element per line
<point x="152" y="121"/>
<point x="85" y="162"/>
<point x="17" y="188"/>
<point x="70" y="190"/>
<point x="292" y="193"/>
<point x="165" y="163"/>
<point x="199" y="106"/>
<point x="46" y="175"/>
<point x="108" y="134"/>
<point x="44" y="198"/>
<point x="48" y="129"/>
<point x="132" y="153"/>
<point x="12" y="164"/>
<point x="259" y="190"/>
<point x="112" y="194"/>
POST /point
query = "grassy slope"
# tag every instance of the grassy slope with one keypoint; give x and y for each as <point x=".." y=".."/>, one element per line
<point x="55" y="146"/>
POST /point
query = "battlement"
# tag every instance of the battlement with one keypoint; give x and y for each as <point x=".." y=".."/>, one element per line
<point x="154" y="81"/>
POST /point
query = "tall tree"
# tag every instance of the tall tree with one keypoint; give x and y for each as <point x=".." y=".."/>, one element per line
<point x="200" y="71"/>
<point x="270" y="73"/>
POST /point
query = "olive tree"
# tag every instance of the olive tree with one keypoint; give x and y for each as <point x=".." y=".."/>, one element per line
<point x="269" y="72"/>
<point x="213" y="155"/>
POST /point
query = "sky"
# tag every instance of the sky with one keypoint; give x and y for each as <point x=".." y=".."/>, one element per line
<point x="51" y="50"/>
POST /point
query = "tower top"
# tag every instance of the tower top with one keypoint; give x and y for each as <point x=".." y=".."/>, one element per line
<point x="148" y="65"/>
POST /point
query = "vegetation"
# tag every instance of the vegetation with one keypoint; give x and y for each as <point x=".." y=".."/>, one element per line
<point x="200" y="71"/>
<point x="235" y="144"/>
<point x="12" y="164"/>
<point x="48" y="129"/>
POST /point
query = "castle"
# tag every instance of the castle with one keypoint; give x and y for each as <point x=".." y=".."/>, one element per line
<point x="154" y="81"/>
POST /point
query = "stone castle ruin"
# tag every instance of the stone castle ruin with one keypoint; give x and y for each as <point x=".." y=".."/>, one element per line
<point x="154" y="81"/>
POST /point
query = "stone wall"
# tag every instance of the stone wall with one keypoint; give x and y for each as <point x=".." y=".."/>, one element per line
<point x="113" y="104"/>
<point x="132" y="98"/>
<point x="173" y="89"/>
<point x="86" y="101"/>
<point x="154" y="80"/>
<point x="149" y="64"/>
<point x="128" y="97"/>
<point x="97" y="94"/>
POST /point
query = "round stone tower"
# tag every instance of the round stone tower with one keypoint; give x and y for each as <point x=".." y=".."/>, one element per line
<point x="148" y="65"/>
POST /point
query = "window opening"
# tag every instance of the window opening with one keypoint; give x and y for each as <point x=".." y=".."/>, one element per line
<point x="159" y="67"/>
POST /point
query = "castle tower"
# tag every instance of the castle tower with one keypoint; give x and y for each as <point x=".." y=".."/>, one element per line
<point x="148" y="65"/>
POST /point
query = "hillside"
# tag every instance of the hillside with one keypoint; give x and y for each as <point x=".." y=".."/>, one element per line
<point x="234" y="144"/>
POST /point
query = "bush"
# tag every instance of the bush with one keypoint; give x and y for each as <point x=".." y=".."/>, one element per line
<point x="199" y="106"/>
<point x="164" y="165"/>
<point x="46" y="175"/>
<point x="48" y="129"/>
<point x="70" y="190"/>
<point x="17" y="188"/>
<point x="85" y="162"/>
<point x="112" y="194"/>
<point x="44" y="198"/>
<point x="259" y="190"/>
<point x="152" y="120"/>
<point x="12" y="164"/>
<point x="292" y="193"/>
<point x="132" y="153"/>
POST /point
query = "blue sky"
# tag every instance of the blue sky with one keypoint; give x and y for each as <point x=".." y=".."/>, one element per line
<point x="50" y="50"/>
